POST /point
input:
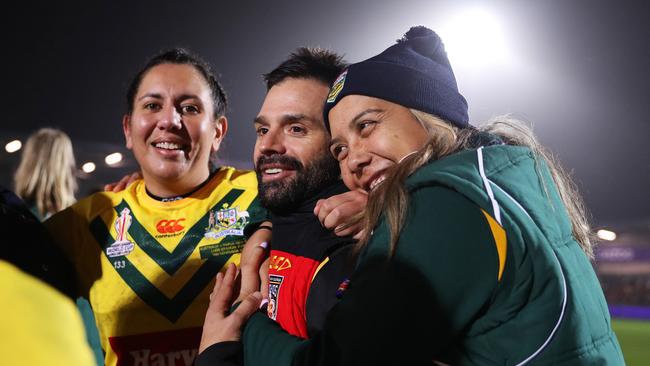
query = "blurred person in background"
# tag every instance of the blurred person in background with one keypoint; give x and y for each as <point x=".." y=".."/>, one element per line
<point x="45" y="177"/>
<point x="46" y="181"/>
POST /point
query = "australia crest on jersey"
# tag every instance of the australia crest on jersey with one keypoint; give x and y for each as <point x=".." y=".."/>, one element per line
<point x="122" y="246"/>
<point x="227" y="221"/>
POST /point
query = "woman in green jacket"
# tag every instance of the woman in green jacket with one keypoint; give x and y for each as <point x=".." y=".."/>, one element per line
<point x="480" y="251"/>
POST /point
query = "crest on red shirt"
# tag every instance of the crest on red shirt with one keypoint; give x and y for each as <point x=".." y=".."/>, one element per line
<point x="275" y="282"/>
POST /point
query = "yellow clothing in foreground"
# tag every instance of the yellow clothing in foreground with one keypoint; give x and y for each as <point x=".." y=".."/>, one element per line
<point x="148" y="266"/>
<point x="39" y="325"/>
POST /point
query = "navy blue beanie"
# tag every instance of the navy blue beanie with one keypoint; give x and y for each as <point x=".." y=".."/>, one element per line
<point x="414" y="73"/>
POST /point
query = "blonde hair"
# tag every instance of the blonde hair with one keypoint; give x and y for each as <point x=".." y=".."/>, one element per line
<point x="391" y="197"/>
<point x="45" y="176"/>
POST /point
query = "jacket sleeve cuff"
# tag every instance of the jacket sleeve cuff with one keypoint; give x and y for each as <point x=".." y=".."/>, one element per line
<point x="228" y="353"/>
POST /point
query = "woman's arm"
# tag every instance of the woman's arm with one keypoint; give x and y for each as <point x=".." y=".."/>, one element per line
<point x="222" y="325"/>
<point x="220" y="343"/>
<point x="440" y="280"/>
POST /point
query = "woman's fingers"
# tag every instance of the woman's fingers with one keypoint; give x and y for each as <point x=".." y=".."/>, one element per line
<point x="264" y="277"/>
<point x="219" y="326"/>
<point x="251" y="271"/>
<point x="222" y="296"/>
<point x="343" y="212"/>
<point x="245" y="309"/>
<point x="122" y="183"/>
<point x="253" y="254"/>
<point x="217" y="285"/>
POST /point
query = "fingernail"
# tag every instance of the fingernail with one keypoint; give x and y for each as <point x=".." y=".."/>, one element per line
<point x="264" y="303"/>
<point x="264" y="245"/>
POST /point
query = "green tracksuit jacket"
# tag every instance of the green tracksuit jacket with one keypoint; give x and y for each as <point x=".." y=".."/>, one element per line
<point x="486" y="272"/>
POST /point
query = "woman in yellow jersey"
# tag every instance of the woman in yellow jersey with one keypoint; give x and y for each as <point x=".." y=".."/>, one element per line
<point x="146" y="257"/>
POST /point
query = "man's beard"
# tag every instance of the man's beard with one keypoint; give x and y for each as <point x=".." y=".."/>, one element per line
<point x="284" y="195"/>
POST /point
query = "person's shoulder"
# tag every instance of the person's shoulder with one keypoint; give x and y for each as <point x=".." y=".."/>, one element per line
<point x="437" y="211"/>
<point x="466" y="164"/>
<point x="239" y="178"/>
<point x="442" y="221"/>
<point x="89" y="206"/>
<point x="23" y="298"/>
<point x="441" y="200"/>
<point x="103" y="200"/>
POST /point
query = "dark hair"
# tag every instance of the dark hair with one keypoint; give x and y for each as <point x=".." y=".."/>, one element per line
<point x="308" y="63"/>
<point x="181" y="56"/>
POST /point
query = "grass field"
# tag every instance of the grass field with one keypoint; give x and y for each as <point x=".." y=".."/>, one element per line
<point x="634" y="336"/>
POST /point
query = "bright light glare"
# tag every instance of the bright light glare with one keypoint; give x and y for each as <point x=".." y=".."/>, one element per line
<point x="113" y="158"/>
<point x="88" y="167"/>
<point x="475" y="37"/>
<point x="606" y="235"/>
<point x="13" y="146"/>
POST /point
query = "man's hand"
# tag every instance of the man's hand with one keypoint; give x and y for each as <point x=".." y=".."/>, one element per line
<point x="123" y="183"/>
<point x="343" y="213"/>
<point x="219" y="326"/>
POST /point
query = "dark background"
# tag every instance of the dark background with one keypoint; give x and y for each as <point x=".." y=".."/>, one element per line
<point x="577" y="70"/>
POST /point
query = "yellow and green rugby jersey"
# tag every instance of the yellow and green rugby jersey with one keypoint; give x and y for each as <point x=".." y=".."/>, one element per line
<point x="148" y="266"/>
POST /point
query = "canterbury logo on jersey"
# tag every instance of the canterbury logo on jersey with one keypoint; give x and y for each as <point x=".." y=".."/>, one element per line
<point x="170" y="262"/>
<point x="170" y="226"/>
<point x="278" y="263"/>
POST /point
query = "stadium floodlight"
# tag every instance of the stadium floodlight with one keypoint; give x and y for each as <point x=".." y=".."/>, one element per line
<point x="475" y="37"/>
<point x="13" y="146"/>
<point x="88" y="167"/>
<point x="606" y="235"/>
<point x="113" y="158"/>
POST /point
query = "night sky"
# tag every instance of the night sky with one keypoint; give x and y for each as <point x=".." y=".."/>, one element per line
<point x="578" y="70"/>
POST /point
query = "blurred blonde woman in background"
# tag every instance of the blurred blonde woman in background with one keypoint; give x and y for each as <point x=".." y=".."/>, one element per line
<point x="45" y="178"/>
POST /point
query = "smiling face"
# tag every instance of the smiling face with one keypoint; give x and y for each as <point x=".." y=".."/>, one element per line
<point x="370" y="135"/>
<point x="172" y="130"/>
<point x="291" y="152"/>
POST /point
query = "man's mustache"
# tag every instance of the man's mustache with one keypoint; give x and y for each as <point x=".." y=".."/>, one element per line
<point x="284" y="160"/>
